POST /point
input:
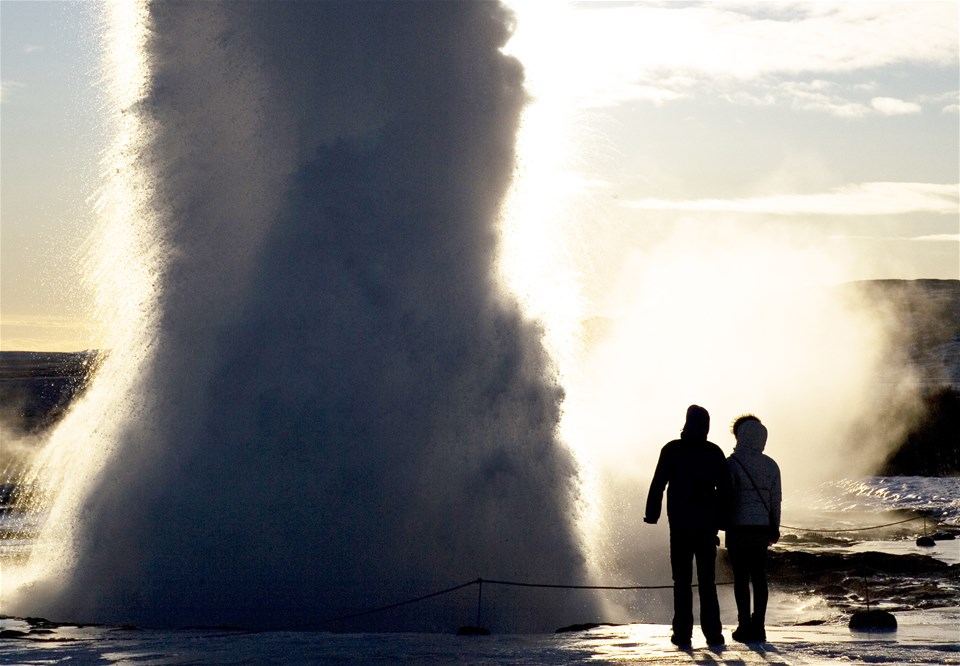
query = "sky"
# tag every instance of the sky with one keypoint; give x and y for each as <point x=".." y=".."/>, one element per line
<point x="828" y="128"/>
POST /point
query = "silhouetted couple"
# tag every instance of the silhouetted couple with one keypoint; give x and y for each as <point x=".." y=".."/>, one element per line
<point x="706" y="494"/>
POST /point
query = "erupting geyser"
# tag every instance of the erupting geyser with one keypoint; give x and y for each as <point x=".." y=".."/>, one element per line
<point x="333" y="404"/>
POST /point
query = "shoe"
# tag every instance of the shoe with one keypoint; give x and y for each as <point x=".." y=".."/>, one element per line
<point x="716" y="640"/>
<point x="680" y="641"/>
<point x="756" y="629"/>
<point x="742" y="634"/>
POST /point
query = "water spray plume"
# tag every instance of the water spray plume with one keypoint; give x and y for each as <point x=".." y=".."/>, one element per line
<point x="317" y="397"/>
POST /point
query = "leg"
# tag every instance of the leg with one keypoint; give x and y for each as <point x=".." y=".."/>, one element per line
<point x="758" y="576"/>
<point x="681" y="565"/>
<point x="706" y="554"/>
<point x="740" y="563"/>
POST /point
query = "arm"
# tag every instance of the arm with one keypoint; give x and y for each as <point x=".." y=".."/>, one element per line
<point x="776" y="498"/>
<point x="655" y="494"/>
<point x="725" y="493"/>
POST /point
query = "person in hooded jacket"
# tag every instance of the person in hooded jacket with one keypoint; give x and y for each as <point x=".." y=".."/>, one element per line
<point x="694" y="473"/>
<point x="754" y="524"/>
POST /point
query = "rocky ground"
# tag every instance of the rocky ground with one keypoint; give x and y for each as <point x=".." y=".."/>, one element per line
<point x="850" y="575"/>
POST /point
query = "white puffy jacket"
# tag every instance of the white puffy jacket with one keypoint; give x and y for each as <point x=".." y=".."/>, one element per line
<point x="755" y="502"/>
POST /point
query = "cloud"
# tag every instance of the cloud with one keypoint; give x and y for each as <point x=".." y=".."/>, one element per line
<point x="890" y="106"/>
<point x="937" y="238"/>
<point x="44" y="321"/>
<point x="856" y="199"/>
<point x="656" y="94"/>
<point x="829" y="97"/>
<point x="8" y="88"/>
<point x="810" y="37"/>
<point x="948" y="101"/>
<point x="821" y="96"/>
<point x="930" y="238"/>
<point x="626" y="52"/>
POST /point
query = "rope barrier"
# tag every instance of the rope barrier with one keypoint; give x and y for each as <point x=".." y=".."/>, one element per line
<point x="851" y="529"/>
<point x="510" y="583"/>
<point x="401" y="603"/>
<point x="481" y="581"/>
<point x="583" y="587"/>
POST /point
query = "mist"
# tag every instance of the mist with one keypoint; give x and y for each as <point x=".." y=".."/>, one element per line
<point x="739" y="320"/>
<point x="321" y="400"/>
<point x="648" y="312"/>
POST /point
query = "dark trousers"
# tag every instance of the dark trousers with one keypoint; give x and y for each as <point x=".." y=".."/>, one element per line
<point x="685" y="546"/>
<point x="748" y="558"/>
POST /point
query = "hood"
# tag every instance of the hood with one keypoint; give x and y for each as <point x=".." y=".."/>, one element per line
<point x="697" y="425"/>
<point x="751" y="438"/>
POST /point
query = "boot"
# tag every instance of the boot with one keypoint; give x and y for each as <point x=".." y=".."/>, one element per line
<point x="757" y="630"/>
<point x="743" y="634"/>
<point x="715" y="640"/>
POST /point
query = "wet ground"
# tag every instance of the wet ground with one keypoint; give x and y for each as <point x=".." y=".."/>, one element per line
<point x="922" y="637"/>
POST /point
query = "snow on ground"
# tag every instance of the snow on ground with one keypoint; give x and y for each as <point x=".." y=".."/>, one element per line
<point x="923" y="637"/>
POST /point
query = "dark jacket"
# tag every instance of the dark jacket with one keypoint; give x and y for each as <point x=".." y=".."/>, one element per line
<point x="695" y="474"/>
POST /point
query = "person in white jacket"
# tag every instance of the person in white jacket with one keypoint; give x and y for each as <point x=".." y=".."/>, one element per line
<point x="754" y="524"/>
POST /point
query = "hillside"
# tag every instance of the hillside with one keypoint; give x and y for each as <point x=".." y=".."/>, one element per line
<point x="37" y="387"/>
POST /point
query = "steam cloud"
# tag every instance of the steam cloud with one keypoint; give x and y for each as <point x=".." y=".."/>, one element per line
<point x="340" y="409"/>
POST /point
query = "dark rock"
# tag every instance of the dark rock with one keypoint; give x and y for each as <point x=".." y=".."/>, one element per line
<point x="817" y="539"/>
<point x="467" y="630"/>
<point x="932" y="448"/>
<point x="833" y="590"/>
<point x="847" y="580"/>
<point x="943" y="536"/>
<point x="13" y="633"/>
<point x="926" y="542"/>
<point x="807" y="566"/>
<point x="585" y="626"/>
<point x="873" y="620"/>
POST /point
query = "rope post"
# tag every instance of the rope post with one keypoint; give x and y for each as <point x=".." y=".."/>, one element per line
<point x="479" y="599"/>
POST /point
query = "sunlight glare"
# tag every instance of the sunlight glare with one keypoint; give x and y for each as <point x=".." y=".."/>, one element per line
<point x="537" y="261"/>
<point x="735" y="316"/>
<point x="536" y="214"/>
<point x="122" y="268"/>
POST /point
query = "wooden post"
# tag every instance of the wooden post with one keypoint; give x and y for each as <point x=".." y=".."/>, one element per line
<point x="479" y="599"/>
